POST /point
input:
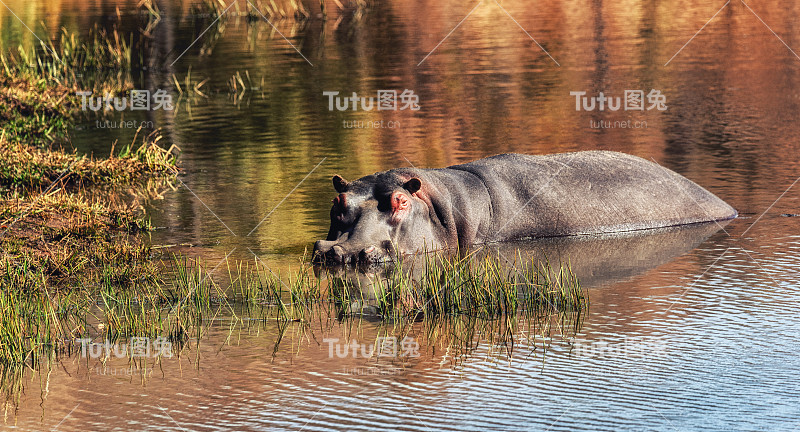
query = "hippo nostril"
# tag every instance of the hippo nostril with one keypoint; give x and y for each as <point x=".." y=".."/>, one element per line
<point x="371" y="255"/>
<point x="335" y="254"/>
<point x="365" y="256"/>
<point x="338" y="253"/>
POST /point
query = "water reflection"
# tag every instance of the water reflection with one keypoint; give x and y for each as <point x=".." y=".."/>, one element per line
<point x="596" y="260"/>
<point x="350" y="347"/>
<point x="727" y="307"/>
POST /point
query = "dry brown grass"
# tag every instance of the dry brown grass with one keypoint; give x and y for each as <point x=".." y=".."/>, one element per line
<point x="30" y="167"/>
<point x="67" y="238"/>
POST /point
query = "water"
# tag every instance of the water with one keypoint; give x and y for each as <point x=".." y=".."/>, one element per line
<point x="694" y="332"/>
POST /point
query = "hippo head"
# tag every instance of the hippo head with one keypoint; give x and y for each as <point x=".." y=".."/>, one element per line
<point x="376" y="218"/>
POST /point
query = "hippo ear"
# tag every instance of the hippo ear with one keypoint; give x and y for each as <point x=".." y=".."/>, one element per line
<point x="412" y="185"/>
<point x="339" y="184"/>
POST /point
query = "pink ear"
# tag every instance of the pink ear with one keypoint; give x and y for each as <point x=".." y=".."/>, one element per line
<point x="400" y="202"/>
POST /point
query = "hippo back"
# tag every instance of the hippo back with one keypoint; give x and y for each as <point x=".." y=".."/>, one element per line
<point x="587" y="192"/>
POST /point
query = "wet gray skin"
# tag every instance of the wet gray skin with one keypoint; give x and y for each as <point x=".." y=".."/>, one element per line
<point x="508" y="197"/>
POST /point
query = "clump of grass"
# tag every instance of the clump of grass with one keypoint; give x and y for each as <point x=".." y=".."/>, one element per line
<point x="31" y="167"/>
<point x="34" y="112"/>
<point x="102" y="61"/>
<point x="102" y="50"/>
<point x="483" y="286"/>
<point x="252" y="285"/>
<point x="148" y="310"/>
<point x="35" y="320"/>
<point x="562" y="289"/>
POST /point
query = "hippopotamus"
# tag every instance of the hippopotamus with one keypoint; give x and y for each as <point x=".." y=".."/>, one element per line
<point x="508" y="197"/>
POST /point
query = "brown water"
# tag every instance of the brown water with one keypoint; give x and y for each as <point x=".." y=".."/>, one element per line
<point x="692" y="331"/>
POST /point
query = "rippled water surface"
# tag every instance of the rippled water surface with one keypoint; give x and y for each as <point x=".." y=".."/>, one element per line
<point x="687" y="330"/>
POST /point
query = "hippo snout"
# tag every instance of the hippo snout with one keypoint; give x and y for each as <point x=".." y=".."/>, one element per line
<point x="332" y="253"/>
<point x="323" y="251"/>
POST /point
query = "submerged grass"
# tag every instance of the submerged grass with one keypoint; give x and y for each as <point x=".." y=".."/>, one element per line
<point x="483" y="286"/>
